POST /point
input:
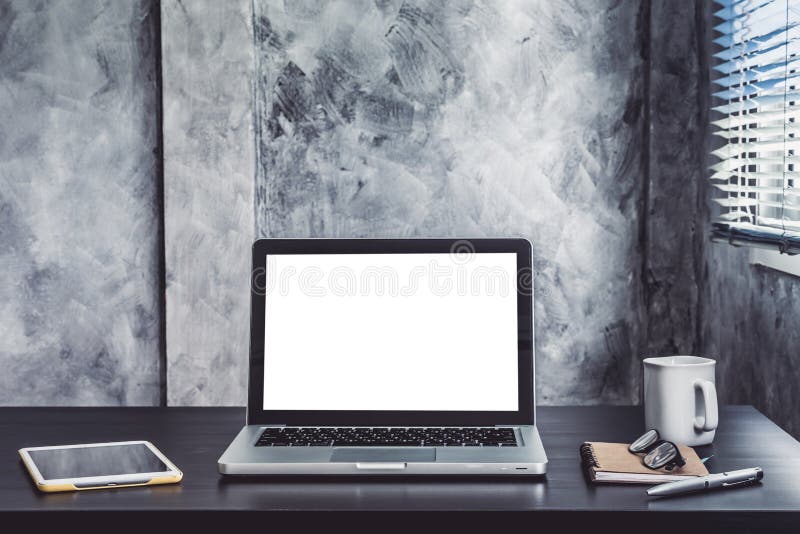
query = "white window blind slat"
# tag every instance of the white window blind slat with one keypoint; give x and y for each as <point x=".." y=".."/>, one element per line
<point x="735" y="164"/>
<point x="762" y="57"/>
<point x="757" y="103"/>
<point x="737" y="8"/>
<point x="779" y="116"/>
<point x="773" y="86"/>
<point x="762" y="42"/>
<point x="766" y="132"/>
<point x="731" y="150"/>
<point x="761" y="72"/>
<point x="776" y="190"/>
<point x="790" y="225"/>
<point x="736" y="216"/>
<point x="756" y="177"/>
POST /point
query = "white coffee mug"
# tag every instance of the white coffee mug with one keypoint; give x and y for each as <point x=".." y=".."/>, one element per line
<point x="680" y="399"/>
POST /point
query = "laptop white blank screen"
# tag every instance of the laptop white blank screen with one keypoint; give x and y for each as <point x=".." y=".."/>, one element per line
<point x="430" y="332"/>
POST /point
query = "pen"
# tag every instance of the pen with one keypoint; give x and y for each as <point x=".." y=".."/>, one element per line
<point x="730" y="479"/>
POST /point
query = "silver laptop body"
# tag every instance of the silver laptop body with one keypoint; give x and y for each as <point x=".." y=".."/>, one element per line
<point x="390" y="357"/>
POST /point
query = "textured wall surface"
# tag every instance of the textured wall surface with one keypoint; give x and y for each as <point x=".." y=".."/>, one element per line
<point x="578" y="125"/>
<point x="750" y="316"/>
<point x="707" y="298"/>
<point x="675" y="234"/>
<point x="208" y="181"/>
<point x="751" y="328"/>
<point x="79" y="314"/>
<point x="471" y="118"/>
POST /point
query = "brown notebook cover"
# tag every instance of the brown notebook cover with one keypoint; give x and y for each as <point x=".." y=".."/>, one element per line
<point x="613" y="463"/>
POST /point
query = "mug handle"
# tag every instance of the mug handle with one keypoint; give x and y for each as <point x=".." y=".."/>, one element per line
<point x="710" y="419"/>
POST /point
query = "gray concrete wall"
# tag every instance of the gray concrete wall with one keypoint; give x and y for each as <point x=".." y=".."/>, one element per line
<point x="676" y="234"/>
<point x="749" y="314"/>
<point x="580" y="126"/>
<point x="471" y="119"/>
<point x="751" y="328"/>
<point x="708" y="298"/>
<point x="79" y="313"/>
<point x="208" y="183"/>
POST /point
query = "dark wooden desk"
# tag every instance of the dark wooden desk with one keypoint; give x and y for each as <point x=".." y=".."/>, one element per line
<point x="194" y="438"/>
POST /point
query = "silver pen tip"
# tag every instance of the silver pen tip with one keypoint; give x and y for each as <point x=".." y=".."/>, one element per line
<point x="655" y="491"/>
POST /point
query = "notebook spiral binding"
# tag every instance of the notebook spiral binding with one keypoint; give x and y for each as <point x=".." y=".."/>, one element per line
<point x="588" y="457"/>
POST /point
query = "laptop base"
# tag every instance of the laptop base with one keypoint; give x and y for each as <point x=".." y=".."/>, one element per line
<point x="242" y="457"/>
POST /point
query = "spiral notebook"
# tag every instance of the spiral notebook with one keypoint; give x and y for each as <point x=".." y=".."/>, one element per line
<point x="613" y="463"/>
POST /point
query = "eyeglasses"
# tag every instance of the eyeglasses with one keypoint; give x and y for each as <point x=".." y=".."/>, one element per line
<point x="658" y="452"/>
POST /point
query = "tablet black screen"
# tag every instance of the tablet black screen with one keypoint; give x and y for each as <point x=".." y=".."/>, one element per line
<point x="101" y="460"/>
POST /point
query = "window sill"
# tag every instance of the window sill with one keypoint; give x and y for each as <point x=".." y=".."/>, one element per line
<point x="775" y="260"/>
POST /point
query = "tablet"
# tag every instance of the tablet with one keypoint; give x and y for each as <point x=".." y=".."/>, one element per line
<point x="98" y="465"/>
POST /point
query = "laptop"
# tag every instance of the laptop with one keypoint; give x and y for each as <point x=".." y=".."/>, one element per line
<point x="390" y="357"/>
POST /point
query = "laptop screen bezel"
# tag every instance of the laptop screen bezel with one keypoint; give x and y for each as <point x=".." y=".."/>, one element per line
<point x="524" y="415"/>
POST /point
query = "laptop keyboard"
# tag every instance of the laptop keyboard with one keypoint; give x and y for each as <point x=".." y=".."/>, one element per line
<point x="387" y="437"/>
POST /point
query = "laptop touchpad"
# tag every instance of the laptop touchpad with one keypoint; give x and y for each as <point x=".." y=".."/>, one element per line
<point x="388" y="454"/>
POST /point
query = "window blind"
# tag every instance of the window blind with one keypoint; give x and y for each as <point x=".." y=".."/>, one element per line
<point x="756" y="83"/>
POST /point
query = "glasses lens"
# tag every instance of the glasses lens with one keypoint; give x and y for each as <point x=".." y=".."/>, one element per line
<point x="660" y="456"/>
<point x="645" y="441"/>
